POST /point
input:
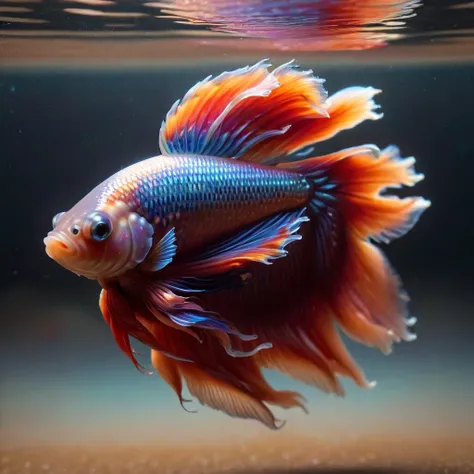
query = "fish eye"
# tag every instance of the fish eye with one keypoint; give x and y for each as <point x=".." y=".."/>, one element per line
<point x="56" y="218"/>
<point x="100" y="226"/>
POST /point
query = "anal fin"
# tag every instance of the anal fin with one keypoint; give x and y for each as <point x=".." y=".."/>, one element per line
<point x="168" y="369"/>
<point x="262" y="243"/>
<point x="235" y="387"/>
<point x="224" y="396"/>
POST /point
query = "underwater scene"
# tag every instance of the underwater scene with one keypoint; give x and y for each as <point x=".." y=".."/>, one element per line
<point x="237" y="237"/>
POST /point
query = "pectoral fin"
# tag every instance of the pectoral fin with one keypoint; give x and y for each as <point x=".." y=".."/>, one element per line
<point x="162" y="254"/>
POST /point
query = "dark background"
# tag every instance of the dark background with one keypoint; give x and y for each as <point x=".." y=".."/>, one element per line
<point x="62" y="132"/>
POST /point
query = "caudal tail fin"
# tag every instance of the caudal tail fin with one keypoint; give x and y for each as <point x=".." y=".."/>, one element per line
<point x="350" y="209"/>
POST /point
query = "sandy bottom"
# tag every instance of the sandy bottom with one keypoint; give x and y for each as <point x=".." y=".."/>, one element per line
<point x="275" y="456"/>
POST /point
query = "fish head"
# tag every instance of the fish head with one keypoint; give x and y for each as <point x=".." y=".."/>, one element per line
<point x="99" y="242"/>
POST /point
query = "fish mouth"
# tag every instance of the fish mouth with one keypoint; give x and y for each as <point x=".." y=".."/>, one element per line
<point x="59" y="247"/>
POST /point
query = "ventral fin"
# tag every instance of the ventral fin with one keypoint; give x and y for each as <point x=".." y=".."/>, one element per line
<point x="262" y="243"/>
<point x="186" y="314"/>
<point x="120" y="317"/>
<point x="162" y="254"/>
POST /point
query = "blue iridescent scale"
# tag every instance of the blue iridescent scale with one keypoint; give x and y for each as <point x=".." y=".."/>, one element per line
<point x="195" y="183"/>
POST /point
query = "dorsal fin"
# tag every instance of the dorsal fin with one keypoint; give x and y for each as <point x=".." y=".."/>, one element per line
<point x="228" y="115"/>
<point x="256" y="115"/>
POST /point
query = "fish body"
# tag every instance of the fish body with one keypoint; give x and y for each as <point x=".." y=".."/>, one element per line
<point x="235" y="250"/>
<point x="202" y="197"/>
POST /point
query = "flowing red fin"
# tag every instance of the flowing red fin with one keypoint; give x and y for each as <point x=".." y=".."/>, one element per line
<point x="348" y="108"/>
<point x="362" y="177"/>
<point x="370" y="303"/>
<point x="185" y="313"/>
<point x="367" y="296"/>
<point x="169" y="322"/>
<point x="114" y="310"/>
<point x="127" y="319"/>
<point x="260" y="116"/>
<point x="301" y="362"/>
<point x="153" y="308"/>
<point x="262" y="243"/>
<point x="343" y="110"/>
<point x="352" y="181"/>
<point x="229" y="116"/>
<point x="158" y="304"/>
<point x="308" y="347"/>
<point x="324" y="335"/>
<point x="356" y="322"/>
<point x="225" y="397"/>
<point x="193" y="124"/>
<point x="234" y="386"/>
<point x="168" y="369"/>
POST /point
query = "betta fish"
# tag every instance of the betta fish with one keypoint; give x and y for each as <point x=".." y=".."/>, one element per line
<point x="237" y="249"/>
